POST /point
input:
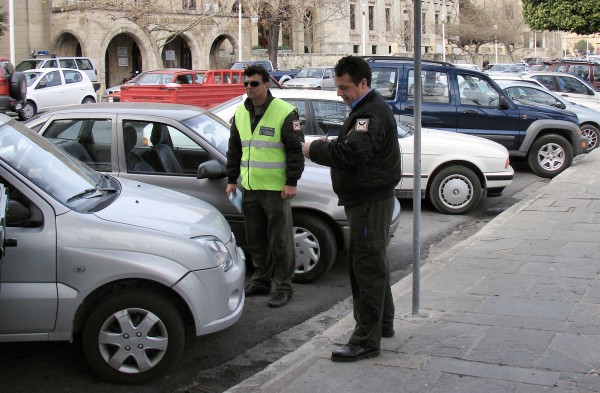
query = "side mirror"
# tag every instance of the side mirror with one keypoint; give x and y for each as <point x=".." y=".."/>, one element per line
<point x="211" y="169"/>
<point x="560" y="105"/>
<point x="503" y="103"/>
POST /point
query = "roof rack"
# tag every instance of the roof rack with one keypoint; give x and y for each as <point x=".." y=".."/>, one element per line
<point x="377" y="58"/>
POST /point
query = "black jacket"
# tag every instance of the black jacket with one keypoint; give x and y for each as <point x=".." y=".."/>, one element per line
<point x="292" y="142"/>
<point x="365" y="159"/>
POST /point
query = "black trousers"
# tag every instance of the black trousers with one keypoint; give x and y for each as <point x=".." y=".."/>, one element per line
<point x="270" y="238"/>
<point x="369" y="270"/>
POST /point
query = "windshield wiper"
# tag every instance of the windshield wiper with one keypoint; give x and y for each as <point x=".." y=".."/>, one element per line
<point x="81" y="194"/>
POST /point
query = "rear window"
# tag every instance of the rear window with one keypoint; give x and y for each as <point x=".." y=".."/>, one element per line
<point x="84" y="64"/>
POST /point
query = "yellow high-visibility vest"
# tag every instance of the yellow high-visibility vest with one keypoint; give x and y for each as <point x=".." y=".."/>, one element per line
<point x="263" y="154"/>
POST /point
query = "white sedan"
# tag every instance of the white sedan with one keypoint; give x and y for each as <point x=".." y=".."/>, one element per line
<point x="50" y="88"/>
<point x="456" y="169"/>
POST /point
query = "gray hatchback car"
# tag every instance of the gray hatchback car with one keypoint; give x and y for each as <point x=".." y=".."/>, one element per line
<point x="184" y="148"/>
<point x="124" y="265"/>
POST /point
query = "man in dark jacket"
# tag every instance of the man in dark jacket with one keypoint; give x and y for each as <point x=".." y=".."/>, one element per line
<point x="265" y="152"/>
<point x="365" y="169"/>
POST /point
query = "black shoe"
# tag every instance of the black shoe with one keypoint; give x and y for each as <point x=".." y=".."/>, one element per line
<point x="387" y="333"/>
<point x="281" y="298"/>
<point x="253" y="290"/>
<point x="352" y="353"/>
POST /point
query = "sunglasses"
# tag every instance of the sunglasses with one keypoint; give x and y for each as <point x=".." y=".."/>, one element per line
<point x="252" y="83"/>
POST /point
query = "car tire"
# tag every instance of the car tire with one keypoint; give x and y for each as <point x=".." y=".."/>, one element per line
<point x="105" y="339"/>
<point x="27" y="111"/>
<point x="18" y="86"/>
<point x="550" y="155"/>
<point x="315" y="247"/>
<point x="285" y="78"/>
<point x="455" y="190"/>
<point x="88" y="100"/>
<point x="592" y="134"/>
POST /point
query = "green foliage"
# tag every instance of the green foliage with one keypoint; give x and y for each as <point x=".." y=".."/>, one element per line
<point x="577" y="16"/>
<point x="582" y="46"/>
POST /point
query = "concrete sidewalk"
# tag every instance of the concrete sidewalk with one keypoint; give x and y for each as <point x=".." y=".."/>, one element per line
<point x="514" y="308"/>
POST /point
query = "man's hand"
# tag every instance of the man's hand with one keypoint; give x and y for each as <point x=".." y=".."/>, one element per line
<point x="231" y="188"/>
<point x="288" y="192"/>
<point x="306" y="149"/>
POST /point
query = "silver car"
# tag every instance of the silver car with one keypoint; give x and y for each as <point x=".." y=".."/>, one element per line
<point x="125" y="265"/>
<point x="184" y="148"/>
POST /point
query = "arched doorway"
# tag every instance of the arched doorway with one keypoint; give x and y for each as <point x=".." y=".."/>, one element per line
<point x="122" y="59"/>
<point x="176" y="53"/>
<point x="68" y="45"/>
<point x="222" y="52"/>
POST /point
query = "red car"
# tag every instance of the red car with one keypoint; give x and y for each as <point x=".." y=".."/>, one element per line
<point x="13" y="87"/>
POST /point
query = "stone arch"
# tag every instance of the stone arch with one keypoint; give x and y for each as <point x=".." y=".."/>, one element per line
<point x="184" y="46"/>
<point x="223" y="51"/>
<point x="122" y="49"/>
<point x="68" y="43"/>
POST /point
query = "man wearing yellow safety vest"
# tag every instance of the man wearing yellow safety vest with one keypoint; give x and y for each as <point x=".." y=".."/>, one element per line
<point x="265" y="153"/>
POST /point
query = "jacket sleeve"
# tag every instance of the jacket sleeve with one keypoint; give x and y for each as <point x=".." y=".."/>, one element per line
<point x="234" y="155"/>
<point x="292" y="138"/>
<point x="357" y="147"/>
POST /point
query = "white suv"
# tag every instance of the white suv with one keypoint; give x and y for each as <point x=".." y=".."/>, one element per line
<point x="77" y="63"/>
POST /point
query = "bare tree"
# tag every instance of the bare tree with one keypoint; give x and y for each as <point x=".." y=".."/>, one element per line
<point x="172" y="17"/>
<point x="311" y="16"/>
<point x="474" y="29"/>
<point x="3" y="22"/>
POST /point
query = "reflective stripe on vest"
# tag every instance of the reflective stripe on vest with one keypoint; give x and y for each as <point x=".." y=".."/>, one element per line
<point x="263" y="154"/>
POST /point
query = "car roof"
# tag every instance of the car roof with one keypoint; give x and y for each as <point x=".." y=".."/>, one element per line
<point x="400" y="59"/>
<point x="176" y="112"/>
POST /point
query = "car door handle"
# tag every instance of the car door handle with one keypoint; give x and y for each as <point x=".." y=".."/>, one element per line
<point x="469" y="112"/>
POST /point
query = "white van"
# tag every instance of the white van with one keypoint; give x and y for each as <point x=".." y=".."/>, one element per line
<point x="77" y="63"/>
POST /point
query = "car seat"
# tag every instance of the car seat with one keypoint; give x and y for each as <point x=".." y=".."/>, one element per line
<point x="134" y="162"/>
<point x="161" y="155"/>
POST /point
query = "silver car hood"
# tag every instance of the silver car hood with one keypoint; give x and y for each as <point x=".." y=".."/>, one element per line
<point x="147" y="206"/>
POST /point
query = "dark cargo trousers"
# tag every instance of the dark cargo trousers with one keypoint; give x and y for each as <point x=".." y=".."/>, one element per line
<point x="369" y="270"/>
<point x="270" y="238"/>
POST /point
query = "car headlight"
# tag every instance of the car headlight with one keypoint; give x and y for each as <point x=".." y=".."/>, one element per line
<point x="217" y="248"/>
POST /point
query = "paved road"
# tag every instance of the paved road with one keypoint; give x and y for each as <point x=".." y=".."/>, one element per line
<point x="219" y="361"/>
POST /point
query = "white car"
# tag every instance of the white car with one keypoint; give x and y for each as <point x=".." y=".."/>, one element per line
<point x="315" y="78"/>
<point x="589" y="118"/>
<point x="456" y="169"/>
<point x="50" y="88"/>
<point x="567" y="85"/>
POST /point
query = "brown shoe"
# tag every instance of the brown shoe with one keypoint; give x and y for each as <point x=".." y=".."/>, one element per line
<point x="281" y="298"/>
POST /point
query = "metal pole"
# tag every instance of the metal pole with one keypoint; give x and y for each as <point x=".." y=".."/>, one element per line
<point x="444" y="41"/>
<point x="363" y="6"/>
<point x="240" y="30"/>
<point x="417" y="163"/>
<point x="11" y="21"/>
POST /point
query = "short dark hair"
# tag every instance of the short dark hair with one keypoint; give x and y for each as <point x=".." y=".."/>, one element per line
<point x="257" y="69"/>
<point x="356" y="68"/>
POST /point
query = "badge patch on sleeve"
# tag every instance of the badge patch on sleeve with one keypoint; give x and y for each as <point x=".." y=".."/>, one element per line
<point x="362" y="125"/>
<point x="296" y="125"/>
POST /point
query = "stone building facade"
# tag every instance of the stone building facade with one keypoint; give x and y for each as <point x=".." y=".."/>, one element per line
<point x="118" y="46"/>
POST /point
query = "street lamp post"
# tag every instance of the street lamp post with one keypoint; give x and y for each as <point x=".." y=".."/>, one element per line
<point x="443" y="17"/>
<point x="496" y="42"/>
<point x="240" y="30"/>
<point x="363" y="7"/>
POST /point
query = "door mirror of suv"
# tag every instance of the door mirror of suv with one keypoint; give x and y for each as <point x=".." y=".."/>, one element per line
<point x="503" y="103"/>
<point x="560" y="105"/>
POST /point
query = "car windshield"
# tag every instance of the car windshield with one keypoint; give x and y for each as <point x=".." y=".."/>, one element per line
<point x="28" y="65"/>
<point x="64" y="178"/>
<point x="211" y="130"/>
<point x="31" y="77"/>
<point x="311" y="73"/>
<point x="155" y="78"/>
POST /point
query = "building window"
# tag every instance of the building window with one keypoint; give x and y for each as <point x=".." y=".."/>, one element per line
<point x="371" y="17"/>
<point x="388" y="19"/>
<point x="373" y="49"/>
<point x="355" y="49"/>
<point x="188" y="4"/>
<point x="389" y="49"/>
<point x="423" y="19"/>
<point x="352" y="16"/>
